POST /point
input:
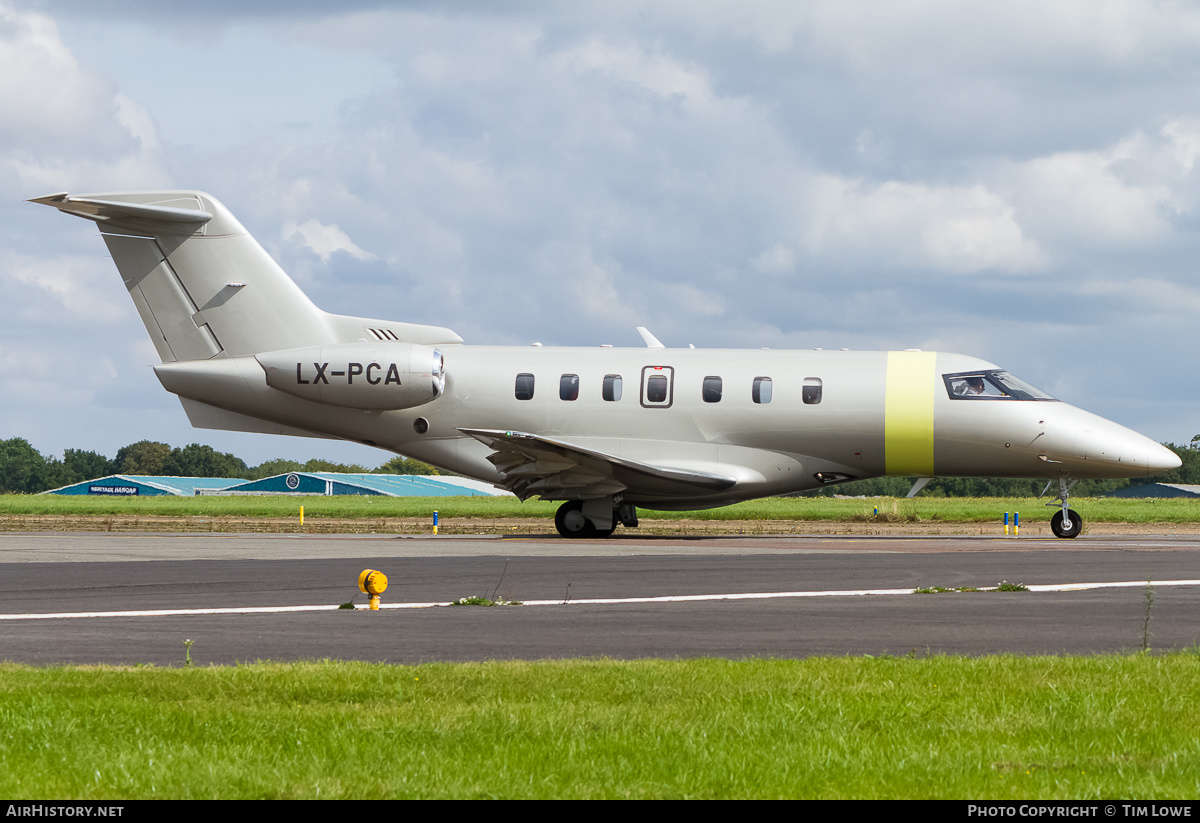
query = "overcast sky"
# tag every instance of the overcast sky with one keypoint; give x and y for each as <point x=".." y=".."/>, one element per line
<point x="1013" y="180"/>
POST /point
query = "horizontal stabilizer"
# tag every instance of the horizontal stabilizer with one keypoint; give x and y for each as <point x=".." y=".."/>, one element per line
<point x="557" y="470"/>
<point x="139" y="218"/>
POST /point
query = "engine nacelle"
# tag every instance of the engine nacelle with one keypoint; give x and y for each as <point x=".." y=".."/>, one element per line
<point x="358" y="375"/>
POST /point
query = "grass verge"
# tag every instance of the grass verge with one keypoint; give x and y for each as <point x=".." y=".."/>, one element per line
<point x="490" y="514"/>
<point x="994" y="727"/>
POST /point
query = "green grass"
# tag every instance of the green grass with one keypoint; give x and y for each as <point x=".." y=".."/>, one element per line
<point x="953" y="510"/>
<point x="341" y="506"/>
<point x="992" y="727"/>
<point x="478" y="600"/>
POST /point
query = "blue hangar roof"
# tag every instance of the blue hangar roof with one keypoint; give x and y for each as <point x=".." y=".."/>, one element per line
<point x="390" y="485"/>
<point x="139" y="485"/>
<point x="322" y="483"/>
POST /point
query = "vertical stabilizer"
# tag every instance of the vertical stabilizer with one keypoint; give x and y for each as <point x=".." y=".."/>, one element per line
<point x="202" y="285"/>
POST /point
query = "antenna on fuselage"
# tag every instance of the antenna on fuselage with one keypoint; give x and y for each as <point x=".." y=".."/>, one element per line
<point x="652" y="342"/>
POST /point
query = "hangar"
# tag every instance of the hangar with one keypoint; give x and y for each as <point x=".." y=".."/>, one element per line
<point x="1157" y="490"/>
<point x="298" y="483"/>
<point x="389" y="485"/>
<point x="139" y="485"/>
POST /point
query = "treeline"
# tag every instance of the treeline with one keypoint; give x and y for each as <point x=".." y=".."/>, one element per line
<point x="25" y="470"/>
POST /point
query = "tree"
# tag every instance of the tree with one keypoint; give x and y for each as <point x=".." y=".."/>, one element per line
<point x="81" y="465"/>
<point x="142" y="457"/>
<point x="196" y="460"/>
<point x="272" y="468"/>
<point x="406" y="465"/>
<point x="22" y="467"/>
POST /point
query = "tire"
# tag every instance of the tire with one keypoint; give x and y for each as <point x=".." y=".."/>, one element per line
<point x="1056" y="525"/>
<point x="570" y="522"/>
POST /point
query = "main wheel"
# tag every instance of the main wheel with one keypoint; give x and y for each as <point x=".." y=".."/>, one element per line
<point x="570" y="522"/>
<point x="1056" y="525"/>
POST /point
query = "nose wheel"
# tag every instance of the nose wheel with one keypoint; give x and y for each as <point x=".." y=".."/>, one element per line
<point x="1065" y="523"/>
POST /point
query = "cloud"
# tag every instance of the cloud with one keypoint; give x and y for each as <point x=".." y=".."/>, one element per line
<point x="949" y="229"/>
<point x="816" y="174"/>
<point x="84" y="289"/>
<point x="325" y="241"/>
<point x="62" y="125"/>
<point x="45" y="97"/>
<point x="778" y="259"/>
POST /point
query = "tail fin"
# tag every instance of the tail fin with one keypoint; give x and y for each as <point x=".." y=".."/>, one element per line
<point x="204" y="287"/>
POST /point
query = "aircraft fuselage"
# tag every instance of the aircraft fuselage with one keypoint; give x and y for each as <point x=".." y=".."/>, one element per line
<point x="826" y="416"/>
<point x="604" y="429"/>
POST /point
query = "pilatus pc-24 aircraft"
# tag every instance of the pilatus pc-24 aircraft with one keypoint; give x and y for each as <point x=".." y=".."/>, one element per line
<point x="603" y="429"/>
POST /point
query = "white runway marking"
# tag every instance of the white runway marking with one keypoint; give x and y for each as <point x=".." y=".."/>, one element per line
<point x="612" y="601"/>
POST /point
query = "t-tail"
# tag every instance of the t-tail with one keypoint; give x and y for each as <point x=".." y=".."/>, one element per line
<point x="222" y="313"/>
<point x="206" y="289"/>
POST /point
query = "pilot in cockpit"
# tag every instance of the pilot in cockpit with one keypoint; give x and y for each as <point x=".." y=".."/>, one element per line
<point x="971" y="386"/>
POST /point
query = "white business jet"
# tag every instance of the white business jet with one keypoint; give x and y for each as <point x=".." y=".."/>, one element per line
<point x="603" y="429"/>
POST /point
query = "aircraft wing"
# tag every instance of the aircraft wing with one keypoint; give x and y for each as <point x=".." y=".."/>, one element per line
<point x="531" y="465"/>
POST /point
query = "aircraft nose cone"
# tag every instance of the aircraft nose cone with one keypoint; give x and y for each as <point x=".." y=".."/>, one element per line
<point x="1161" y="459"/>
<point x="1112" y="450"/>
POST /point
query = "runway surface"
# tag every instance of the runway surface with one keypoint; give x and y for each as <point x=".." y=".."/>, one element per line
<point x="579" y="593"/>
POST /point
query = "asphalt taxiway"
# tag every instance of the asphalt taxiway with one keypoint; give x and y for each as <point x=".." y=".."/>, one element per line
<point x="135" y="598"/>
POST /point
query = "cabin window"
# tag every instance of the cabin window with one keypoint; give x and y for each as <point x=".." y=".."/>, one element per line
<point x="612" y="387"/>
<point x="761" y="393"/>
<point x="812" y="391"/>
<point x="568" y="387"/>
<point x="656" y="389"/>
<point x="524" y="389"/>
<point x="712" y="389"/>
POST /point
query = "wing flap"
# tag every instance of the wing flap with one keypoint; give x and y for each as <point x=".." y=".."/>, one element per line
<point x="532" y="465"/>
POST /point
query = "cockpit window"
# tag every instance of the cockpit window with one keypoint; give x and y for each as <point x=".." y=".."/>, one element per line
<point x="991" y="384"/>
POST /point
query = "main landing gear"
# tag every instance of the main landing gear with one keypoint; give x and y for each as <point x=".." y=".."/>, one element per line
<point x="1065" y="523"/>
<point x="593" y="518"/>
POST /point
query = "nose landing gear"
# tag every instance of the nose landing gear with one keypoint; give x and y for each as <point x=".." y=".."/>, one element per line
<point x="1065" y="523"/>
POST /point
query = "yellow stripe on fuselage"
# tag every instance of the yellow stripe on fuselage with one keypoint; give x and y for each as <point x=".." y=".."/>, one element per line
<point x="908" y="413"/>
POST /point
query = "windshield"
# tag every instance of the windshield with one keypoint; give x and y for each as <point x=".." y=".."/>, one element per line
<point x="991" y="384"/>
